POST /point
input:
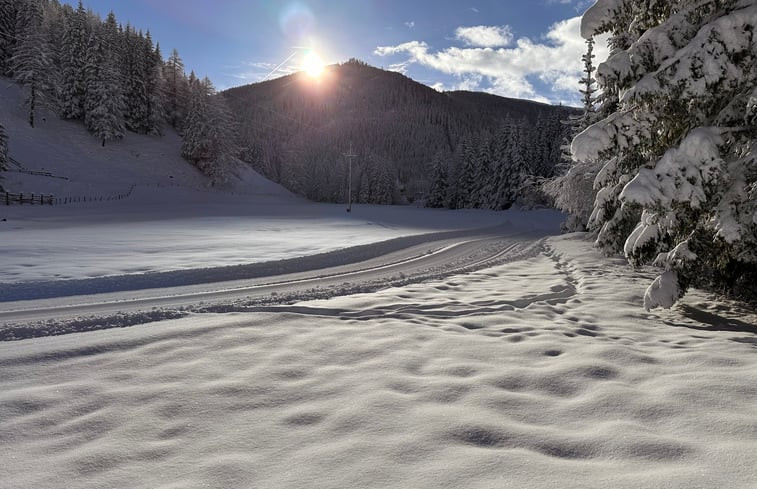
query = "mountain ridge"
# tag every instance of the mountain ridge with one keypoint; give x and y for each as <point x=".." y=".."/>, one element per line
<point x="295" y="129"/>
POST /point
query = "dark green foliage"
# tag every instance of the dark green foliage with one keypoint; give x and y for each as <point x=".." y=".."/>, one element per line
<point x="294" y="124"/>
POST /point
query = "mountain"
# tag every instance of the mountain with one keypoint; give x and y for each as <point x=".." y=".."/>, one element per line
<point x="296" y="130"/>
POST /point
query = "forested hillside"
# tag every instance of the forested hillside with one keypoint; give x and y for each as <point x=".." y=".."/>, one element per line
<point x="455" y="149"/>
<point x="111" y="77"/>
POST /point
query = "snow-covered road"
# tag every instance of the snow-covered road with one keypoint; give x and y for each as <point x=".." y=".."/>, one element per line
<point x="57" y="307"/>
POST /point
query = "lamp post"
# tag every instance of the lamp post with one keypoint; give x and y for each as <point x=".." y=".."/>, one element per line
<point x="349" y="155"/>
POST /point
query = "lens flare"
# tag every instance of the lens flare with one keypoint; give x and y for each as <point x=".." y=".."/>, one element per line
<point x="312" y="64"/>
<point x="297" y="21"/>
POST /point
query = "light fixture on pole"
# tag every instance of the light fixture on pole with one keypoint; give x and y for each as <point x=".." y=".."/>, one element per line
<point x="349" y="155"/>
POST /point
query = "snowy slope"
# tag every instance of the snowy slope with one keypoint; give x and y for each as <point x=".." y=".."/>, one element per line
<point x="66" y="149"/>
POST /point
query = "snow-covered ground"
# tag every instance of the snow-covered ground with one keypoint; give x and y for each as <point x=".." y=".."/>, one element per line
<point x="540" y="371"/>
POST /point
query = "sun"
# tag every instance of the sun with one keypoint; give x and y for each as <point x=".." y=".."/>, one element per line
<point x="312" y="64"/>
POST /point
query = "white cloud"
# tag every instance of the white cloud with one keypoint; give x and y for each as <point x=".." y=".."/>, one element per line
<point x="506" y="71"/>
<point x="485" y="36"/>
<point x="410" y="24"/>
<point x="400" y="67"/>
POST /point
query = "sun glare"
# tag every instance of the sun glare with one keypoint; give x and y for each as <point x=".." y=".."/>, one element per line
<point x="312" y="64"/>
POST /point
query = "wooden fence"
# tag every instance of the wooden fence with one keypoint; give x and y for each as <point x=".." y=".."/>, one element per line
<point x="8" y="198"/>
<point x="18" y="167"/>
<point x="22" y="198"/>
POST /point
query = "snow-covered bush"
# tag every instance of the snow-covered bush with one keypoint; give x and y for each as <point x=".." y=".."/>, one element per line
<point x="678" y="179"/>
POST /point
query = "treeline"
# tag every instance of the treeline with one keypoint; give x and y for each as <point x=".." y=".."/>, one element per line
<point x="112" y="78"/>
<point x="497" y="170"/>
<point x="296" y="131"/>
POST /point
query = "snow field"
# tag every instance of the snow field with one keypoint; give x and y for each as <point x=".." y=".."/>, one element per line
<point x="538" y="373"/>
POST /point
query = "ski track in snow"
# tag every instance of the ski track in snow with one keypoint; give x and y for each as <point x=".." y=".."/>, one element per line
<point x="541" y="372"/>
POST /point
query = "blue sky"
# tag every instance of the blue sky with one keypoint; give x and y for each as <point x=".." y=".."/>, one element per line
<point x="517" y="48"/>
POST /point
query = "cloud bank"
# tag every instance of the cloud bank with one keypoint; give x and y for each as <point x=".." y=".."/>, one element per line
<point x="485" y="36"/>
<point x="489" y="61"/>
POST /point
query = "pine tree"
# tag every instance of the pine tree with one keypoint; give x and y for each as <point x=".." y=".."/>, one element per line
<point x="678" y="184"/>
<point x="73" y="60"/>
<point x="589" y="89"/>
<point x="439" y="187"/>
<point x="377" y="186"/>
<point x="209" y="129"/>
<point x="501" y="199"/>
<point x="573" y="190"/>
<point x="134" y="75"/>
<point x="519" y="167"/>
<point x="195" y="143"/>
<point x="103" y="101"/>
<point x="8" y="34"/>
<point x="154" y="86"/>
<point x="485" y="184"/>
<point x="176" y="89"/>
<point x="468" y="177"/>
<point x="30" y="63"/>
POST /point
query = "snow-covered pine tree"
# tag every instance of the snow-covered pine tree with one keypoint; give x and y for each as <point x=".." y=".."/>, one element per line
<point x="678" y="185"/>
<point x="588" y="115"/>
<point x="454" y="166"/>
<point x="209" y="129"/>
<point x="30" y="62"/>
<point x="468" y="178"/>
<point x="519" y="166"/>
<point x="223" y="129"/>
<point x="53" y="27"/>
<point x="103" y="101"/>
<point x="195" y="144"/>
<point x="154" y="86"/>
<point x="437" y="196"/>
<point x="72" y="63"/>
<point x="484" y="180"/>
<point x="363" y="190"/>
<point x="573" y="190"/>
<point x="502" y="197"/>
<point x="8" y="29"/>
<point x="134" y="73"/>
<point x="177" y="89"/>
<point x="383" y="184"/>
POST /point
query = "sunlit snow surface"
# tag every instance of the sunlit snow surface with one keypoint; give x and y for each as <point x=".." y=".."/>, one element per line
<point x="540" y="373"/>
<point x="196" y="229"/>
